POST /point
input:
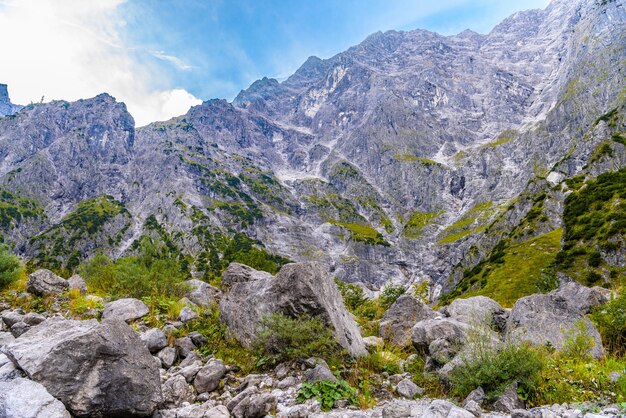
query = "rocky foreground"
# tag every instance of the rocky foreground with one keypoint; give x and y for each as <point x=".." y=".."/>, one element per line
<point x="53" y="366"/>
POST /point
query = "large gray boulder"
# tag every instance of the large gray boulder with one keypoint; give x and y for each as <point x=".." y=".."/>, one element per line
<point x="426" y="332"/>
<point x="398" y="321"/>
<point x="127" y="309"/>
<point x="208" y="378"/>
<point x="44" y="282"/>
<point x="23" y="398"/>
<point x="553" y="317"/>
<point x="201" y="293"/>
<point x="478" y="311"/>
<point x="298" y="289"/>
<point x="96" y="369"/>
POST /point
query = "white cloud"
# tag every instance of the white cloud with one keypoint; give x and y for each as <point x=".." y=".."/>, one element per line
<point x="72" y="49"/>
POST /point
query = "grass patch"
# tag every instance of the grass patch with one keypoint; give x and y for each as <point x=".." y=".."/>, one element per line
<point x="362" y="233"/>
<point x="418" y="221"/>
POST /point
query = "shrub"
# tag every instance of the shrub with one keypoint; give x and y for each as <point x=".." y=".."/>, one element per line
<point x="611" y="322"/>
<point x="10" y="267"/>
<point x="353" y="295"/>
<point x="282" y="338"/>
<point x="390" y="294"/>
<point x="326" y="393"/>
<point x="578" y="343"/>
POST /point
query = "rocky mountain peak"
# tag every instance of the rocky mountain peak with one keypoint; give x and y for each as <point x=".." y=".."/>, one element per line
<point x="6" y="107"/>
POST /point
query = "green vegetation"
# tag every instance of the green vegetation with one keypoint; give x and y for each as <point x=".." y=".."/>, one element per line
<point x="10" y="267"/>
<point x="472" y="222"/>
<point x="418" y="221"/>
<point x="512" y="271"/>
<point x="406" y="157"/>
<point x="326" y="393"/>
<point x="363" y="233"/>
<point x="390" y="294"/>
<point x="503" y="138"/>
<point x="15" y="209"/>
<point x="282" y="338"/>
<point x="603" y="150"/>
<point x="611" y="322"/>
<point x="594" y="221"/>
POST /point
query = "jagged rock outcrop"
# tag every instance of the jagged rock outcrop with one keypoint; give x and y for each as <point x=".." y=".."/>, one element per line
<point x="298" y="289"/>
<point x="95" y="369"/>
<point x="6" y="107"/>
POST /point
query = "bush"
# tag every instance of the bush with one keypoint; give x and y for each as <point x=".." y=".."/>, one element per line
<point x="353" y="295"/>
<point x="282" y="338"/>
<point x="578" y="343"/>
<point x="611" y="322"/>
<point x="326" y="393"/>
<point x="10" y="267"/>
<point x="390" y="294"/>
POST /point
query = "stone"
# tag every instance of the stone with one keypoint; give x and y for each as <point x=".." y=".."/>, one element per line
<point x="298" y="289"/>
<point x="409" y="390"/>
<point x="477" y="396"/>
<point x="187" y="314"/>
<point x="198" y="339"/>
<point x="373" y="342"/>
<point x="399" y="320"/>
<point x="93" y="368"/>
<point x="44" y="282"/>
<point x="167" y="357"/>
<point x="551" y="318"/>
<point x="257" y="405"/>
<point x="12" y="317"/>
<point x="321" y="371"/>
<point x="8" y="371"/>
<point x="176" y="391"/>
<point x="219" y="411"/>
<point x="154" y="339"/>
<point x="477" y="311"/>
<point x="443" y="409"/>
<point x="190" y="372"/>
<point x="245" y="393"/>
<point x="208" y="378"/>
<point x="509" y="400"/>
<point x="127" y="309"/>
<point x="33" y="318"/>
<point x="23" y="398"/>
<point x="19" y="328"/>
<point x="76" y="282"/>
<point x="396" y="410"/>
<point x="184" y="346"/>
<point x="201" y="293"/>
<point x="429" y="330"/>
<point x="5" y="338"/>
<point x="287" y="382"/>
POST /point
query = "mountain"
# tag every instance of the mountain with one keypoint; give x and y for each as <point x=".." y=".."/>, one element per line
<point x="6" y="107"/>
<point x="412" y="156"/>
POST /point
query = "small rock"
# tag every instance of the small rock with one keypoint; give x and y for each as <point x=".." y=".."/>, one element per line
<point x="409" y="390"/>
<point x="614" y="376"/>
<point x="44" y="282"/>
<point x="396" y="410"/>
<point x="473" y="407"/>
<point x="521" y="413"/>
<point x="256" y="406"/>
<point x="127" y="309"/>
<point x="33" y="318"/>
<point x="477" y="395"/>
<point x="187" y="314"/>
<point x="12" y="317"/>
<point x="281" y="371"/>
<point x="198" y="339"/>
<point x="154" y="339"/>
<point x="372" y="342"/>
<point x="176" y="391"/>
<point x="208" y="378"/>
<point x="76" y="282"/>
<point x="185" y="346"/>
<point x="19" y="329"/>
<point x="509" y="400"/>
<point x="218" y="412"/>
<point x="287" y="382"/>
<point x="319" y="372"/>
<point x="167" y="357"/>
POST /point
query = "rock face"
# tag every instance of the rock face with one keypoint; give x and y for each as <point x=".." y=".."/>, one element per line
<point x="93" y="368"/>
<point x="298" y="289"/>
<point x="551" y="318"/>
<point x="399" y="320"/>
<point x="127" y="309"/>
<point x="6" y="107"/>
<point x="44" y="282"/>
<point x="24" y="398"/>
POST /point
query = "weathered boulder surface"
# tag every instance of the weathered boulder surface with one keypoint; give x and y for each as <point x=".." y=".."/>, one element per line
<point x="201" y="293"/>
<point x="154" y="339"/>
<point x="95" y="369"/>
<point x="552" y="318"/>
<point x="398" y="321"/>
<point x="478" y="310"/>
<point x="76" y="282"/>
<point x="425" y="332"/>
<point x="298" y="289"/>
<point x="23" y="398"/>
<point x="44" y="282"/>
<point x="127" y="309"/>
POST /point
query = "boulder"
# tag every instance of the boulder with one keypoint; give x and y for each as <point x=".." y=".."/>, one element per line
<point x="23" y="398"/>
<point x="8" y="371"/>
<point x="176" y="391"/>
<point x="19" y="329"/>
<point x="398" y="321"/>
<point x="579" y="298"/>
<point x="208" y="378"/>
<point x="509" y="400"/>
<point x="127" y="309"/>
<point x="6" y="338"/>
<point x="167" y="357"/>
<point x="44" y="282"/>
<point x="33" y="318"/>
<point x="184" y="346"/>
<point x="201" y="293"/>
<point x="444" y="409"/>
<point x="552" y="318"/>
<point x="154" y="339"/>
<point x="11" y="318"/>
<point x="429" y="330"/>
<point x="409" y="390"/>
<point x="257" y="405"/>
<point x="187" y="314"/>
<point x="298" y="289"/>
<point x="321" y="371"/>
<point x="93" y="368"/>
<point x="76" y="282"/>
<point x="478" y="310"/>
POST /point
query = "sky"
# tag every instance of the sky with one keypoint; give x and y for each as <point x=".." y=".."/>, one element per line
<point x="161" y="57"/>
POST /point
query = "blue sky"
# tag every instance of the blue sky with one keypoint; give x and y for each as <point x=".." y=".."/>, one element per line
<point x="223" y="46"/>
<point x="161" y="57"/>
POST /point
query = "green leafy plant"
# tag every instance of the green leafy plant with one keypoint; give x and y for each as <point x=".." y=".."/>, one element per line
<point x="390" y="294"/>
<point x="281" y="338"/>
<point x="611" y="322"/>
<point x="10" y="267"/>
<point x="327" y="393"/>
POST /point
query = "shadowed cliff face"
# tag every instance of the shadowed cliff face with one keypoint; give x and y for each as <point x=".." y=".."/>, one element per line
<point x="388" y="161"/>
<point x="6" y="107"/>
